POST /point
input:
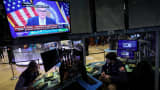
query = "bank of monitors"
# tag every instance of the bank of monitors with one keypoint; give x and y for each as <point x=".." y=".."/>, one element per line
<point x="37" y="17"/>
<point x="127" y="48"/>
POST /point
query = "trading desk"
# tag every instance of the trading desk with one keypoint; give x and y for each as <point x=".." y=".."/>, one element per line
<point x="95" y="68"/>
<point x="46" y="81"/>
<point x="53" y="83"/>
<point x="94" y="85"/>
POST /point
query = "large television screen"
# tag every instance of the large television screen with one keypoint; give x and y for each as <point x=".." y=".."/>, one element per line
<point x="127" y="44"/>
<point x="37" y="17"/>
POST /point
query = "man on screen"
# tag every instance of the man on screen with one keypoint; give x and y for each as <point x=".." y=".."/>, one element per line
<point x="42" y="18"/>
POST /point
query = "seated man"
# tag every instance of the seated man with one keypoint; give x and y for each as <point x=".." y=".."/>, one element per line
<point x="113" y="71"/>
<point x="27" y="78"/>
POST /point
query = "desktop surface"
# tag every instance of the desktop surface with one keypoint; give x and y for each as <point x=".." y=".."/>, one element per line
<point x="74" y="86"/>
<point x="77" y="83"/>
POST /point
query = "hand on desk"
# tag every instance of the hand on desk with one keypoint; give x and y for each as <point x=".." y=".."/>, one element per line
<point x="103" y="74"/>
<point x="105" y="77"/>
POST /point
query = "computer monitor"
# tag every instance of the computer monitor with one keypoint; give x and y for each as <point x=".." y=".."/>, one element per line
<point x="50" y="59"/>
<point x="127" y="44"/>
<point x="76" y="42"/>
<point x="125" y="54"/>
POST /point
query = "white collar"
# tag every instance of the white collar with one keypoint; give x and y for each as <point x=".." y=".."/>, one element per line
<point x="42" y="22"/>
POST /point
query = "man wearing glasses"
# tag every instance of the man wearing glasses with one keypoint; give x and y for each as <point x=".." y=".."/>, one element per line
<point x="42" y="18"/>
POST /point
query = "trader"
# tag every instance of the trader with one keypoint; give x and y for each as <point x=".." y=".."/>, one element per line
<point x="113" y="71"/>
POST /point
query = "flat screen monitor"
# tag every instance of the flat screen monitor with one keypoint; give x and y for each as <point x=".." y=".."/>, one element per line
<point x="125" y="54"/>
<point x="77" y="42"/>
<point x="50" y="59"/>
<point x="66" y="43"/>
<point x="37" y="17"/>
<point x="50" y="45"/>
<point x="135" y="36"/>
<point x="127" y="44"/>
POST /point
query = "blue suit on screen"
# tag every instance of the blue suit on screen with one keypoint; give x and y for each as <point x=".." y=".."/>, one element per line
<point x="35" y="21"/>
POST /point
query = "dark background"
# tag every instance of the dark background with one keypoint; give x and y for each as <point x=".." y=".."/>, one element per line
<point x="109" y="15"/>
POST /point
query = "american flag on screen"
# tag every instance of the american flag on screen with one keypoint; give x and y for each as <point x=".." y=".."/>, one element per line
<point x="65" y="11"/>
<point x="17" y="14"/>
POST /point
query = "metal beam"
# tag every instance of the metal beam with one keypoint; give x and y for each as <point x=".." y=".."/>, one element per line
<point x="157" y="60"/>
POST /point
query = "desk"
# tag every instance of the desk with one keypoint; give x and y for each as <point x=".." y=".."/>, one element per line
<point x="88" y="86"/>
<point x="95" y="68"/>
<point x="44" y="84"/>
<point x="54" y="83"/>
